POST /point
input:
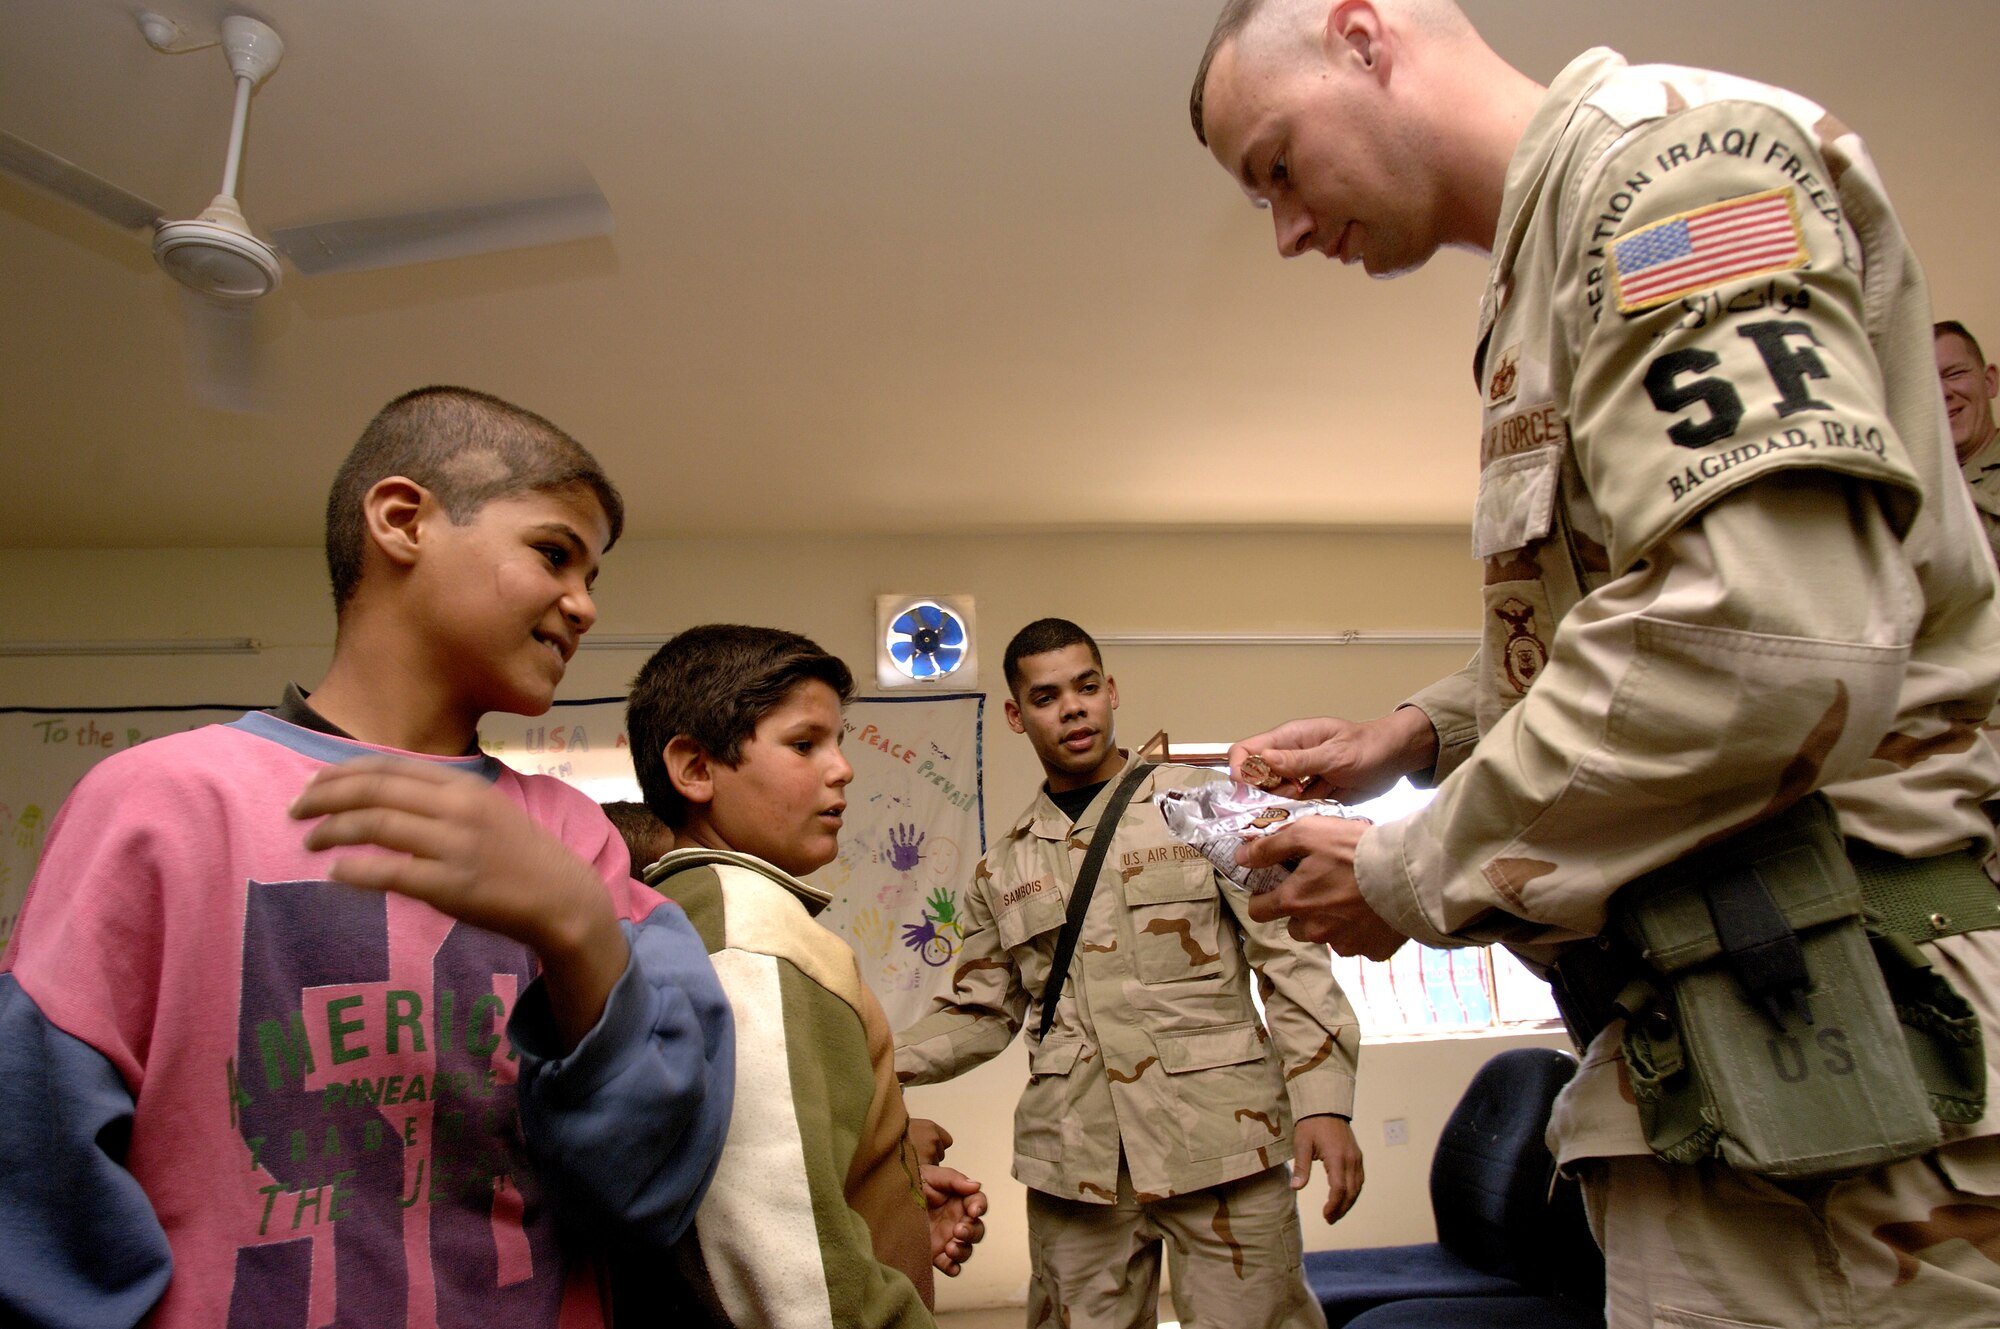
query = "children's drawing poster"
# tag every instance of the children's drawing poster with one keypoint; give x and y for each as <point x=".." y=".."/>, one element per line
<point x="44" y="752"/>
<point x="915" y="825"/>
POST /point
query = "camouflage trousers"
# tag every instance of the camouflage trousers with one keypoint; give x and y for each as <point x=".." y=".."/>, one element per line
<point x="1915" y="1245"/>
<point x="1233" y="1251"/>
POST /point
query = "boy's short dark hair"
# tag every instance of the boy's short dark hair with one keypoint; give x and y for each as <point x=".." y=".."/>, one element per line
<point x="1039" y="638"/>
<point x="646" y="837"/>
<point x="712" y="684"/>
<point x="467" y="448"/>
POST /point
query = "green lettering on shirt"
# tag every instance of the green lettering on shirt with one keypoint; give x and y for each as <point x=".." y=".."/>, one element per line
<point x="338" y="1029"/>
<point x="286" y="1054"/>
<point x="405" y="1010"/>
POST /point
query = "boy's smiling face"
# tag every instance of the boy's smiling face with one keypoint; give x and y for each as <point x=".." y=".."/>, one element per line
<point x="507" y="596"/>
<point x="783" y="799"/>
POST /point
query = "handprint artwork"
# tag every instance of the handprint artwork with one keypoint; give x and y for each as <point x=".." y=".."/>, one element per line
<point x="872" y="932"/>
<point x="914" y="828"/>
<point x="936" y="938"/>
<point x="905" y="847"/>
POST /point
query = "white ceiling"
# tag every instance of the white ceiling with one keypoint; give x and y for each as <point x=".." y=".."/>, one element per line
<point x="880" y="265"/>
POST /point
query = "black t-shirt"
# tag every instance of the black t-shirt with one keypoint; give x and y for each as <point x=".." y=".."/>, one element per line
<point x="1074" y="801"/>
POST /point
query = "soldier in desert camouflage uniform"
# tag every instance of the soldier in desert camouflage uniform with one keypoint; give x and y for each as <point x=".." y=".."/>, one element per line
<point x="1158" y="1108"/>
<point x="1729" y="562"/>
<point x="1970" y="384"/>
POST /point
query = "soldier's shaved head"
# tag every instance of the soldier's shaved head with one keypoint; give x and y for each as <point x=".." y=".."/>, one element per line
<point x="1281" y="27"/>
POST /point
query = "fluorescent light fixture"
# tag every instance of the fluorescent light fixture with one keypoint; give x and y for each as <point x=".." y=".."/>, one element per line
<point x="164" y="646"/>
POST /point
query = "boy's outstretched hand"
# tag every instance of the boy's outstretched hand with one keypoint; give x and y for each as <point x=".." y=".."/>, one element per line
<point x="1331" y="1140"/>
<point x="957" y="1207"/>
<point x="460" y="846"/>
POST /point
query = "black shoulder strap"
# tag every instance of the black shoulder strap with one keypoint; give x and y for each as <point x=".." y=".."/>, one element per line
<point x="1086" y="881"/>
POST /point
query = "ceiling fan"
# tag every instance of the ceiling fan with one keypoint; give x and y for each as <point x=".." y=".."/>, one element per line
<point x="224" y="266"/>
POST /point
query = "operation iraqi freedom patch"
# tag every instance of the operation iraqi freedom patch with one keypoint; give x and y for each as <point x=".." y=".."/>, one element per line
<point x="1695" y="251"/>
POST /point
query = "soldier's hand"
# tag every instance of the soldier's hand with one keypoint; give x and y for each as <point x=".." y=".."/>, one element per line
<point x="1330" y="1139"/>
<point x="1326" y="757"/>
<point x="1320" y="896"/>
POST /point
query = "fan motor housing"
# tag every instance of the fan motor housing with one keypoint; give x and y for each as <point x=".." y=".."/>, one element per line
<point x="216" y="261"/>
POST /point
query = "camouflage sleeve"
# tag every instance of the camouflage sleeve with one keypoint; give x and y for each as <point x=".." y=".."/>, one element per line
<point x="1753" y="657"/>
<point x="1733" y="433"/>
<point x="978" y="1015"/>
<point x="1712" y="307"/>
<point x="1451" y="705"/>
<point x="1318" y="1038"/>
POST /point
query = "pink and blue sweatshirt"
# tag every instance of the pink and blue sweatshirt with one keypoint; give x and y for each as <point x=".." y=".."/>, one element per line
<point x="234" y="1093"/>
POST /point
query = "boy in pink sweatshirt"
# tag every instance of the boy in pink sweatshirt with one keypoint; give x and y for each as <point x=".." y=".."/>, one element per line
<point x="324" y="1017"/>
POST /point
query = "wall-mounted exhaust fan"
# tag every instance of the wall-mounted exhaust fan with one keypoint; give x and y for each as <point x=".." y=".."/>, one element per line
<point x="925" y="639"/>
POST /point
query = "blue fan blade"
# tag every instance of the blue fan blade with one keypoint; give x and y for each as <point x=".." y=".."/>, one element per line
<point x="924" y="667"/>
<point x="901" y="651"/>
<point x="931" y="615"/>
<point x="954" y="633"/>
<point x="906" y="623"/>
<point x="947" y="658"/>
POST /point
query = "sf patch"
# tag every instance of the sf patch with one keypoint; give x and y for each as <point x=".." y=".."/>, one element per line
<point x="1750" y="236"/>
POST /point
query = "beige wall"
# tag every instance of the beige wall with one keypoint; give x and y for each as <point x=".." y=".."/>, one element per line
<point x="1111" y="583"/>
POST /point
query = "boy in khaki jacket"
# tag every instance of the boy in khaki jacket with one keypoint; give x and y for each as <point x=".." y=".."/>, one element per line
<point x="818" y="1214"/>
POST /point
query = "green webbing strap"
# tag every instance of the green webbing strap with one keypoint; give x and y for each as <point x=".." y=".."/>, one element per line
<point x="1922" y="899"/>
<point x="1911" y="900"/>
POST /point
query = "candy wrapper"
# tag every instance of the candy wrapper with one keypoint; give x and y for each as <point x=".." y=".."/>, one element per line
<point x="1220" y="817"/>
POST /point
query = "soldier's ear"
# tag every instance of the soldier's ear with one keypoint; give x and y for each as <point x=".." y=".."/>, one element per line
<point x="1355" y="33"/>
<point x="1013" y="714"/>
<point x="1111" y="690"/>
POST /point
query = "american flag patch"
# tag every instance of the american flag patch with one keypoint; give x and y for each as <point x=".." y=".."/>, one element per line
<point x="1743" y="237"/>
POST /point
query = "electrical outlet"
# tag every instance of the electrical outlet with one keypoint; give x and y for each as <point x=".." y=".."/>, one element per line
<point x="1396" y="1130"/>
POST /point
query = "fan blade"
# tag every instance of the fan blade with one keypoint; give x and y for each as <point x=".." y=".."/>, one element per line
<point x="931" y="615"/>
<point x="222" y="353"/>
<point x="901" y="651"/>
<point x="907" y="624"/>
<point x="947" y="658"/>
<point x="424" y="237"/>
<point x="66" y="180"/>
<point x="954" y="632"/>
